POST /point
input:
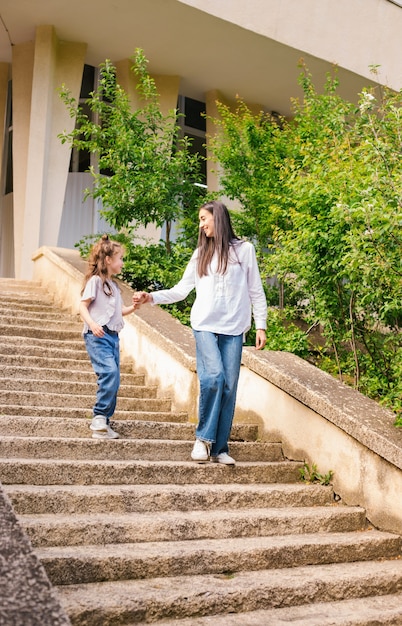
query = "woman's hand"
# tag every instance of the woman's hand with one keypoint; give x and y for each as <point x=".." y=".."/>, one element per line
<point x="260" y="339"/>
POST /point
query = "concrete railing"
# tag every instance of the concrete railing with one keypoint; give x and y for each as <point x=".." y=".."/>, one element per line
<point x="318" y="419"/>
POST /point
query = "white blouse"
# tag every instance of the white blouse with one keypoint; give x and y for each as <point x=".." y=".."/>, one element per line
<point x="224" y="302"/>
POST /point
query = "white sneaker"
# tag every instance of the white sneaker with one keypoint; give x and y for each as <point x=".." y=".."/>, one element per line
<point x="109" y="433"/>
<point x="100" y="434"/>
<point x="223" y="458"/>
<point x="112" y="433"/>
<point x="200" y="452"/>
<point x="98" y="424"/>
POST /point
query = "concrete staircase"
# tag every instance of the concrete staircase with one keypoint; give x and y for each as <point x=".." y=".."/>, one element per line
<point x="132" y="532"/>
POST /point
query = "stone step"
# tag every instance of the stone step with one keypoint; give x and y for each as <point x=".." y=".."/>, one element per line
<point x="10" y="314"/>
<point x="123" y="561"/>
<point x="127" y="602"/>
<point x="48" y="530"/>
<point x="46" y="323"/>
<point x="66" y="360"/>
<point x="64" y="472"/>
<point x="91" y="499"/>
<point x="21" y="289"/>
<point x="85" y="413"/>
<point x="62" y="374"/>
<point x="173" y="427"/>
<point x="75" y="388"/>
<point x="122" y="449"/>
<point x="383" y="610"/>
<point x="43" y="331"/>
<point x="37" y="398"/>
<point x="35" y="305"/>
<point x="40" y="346"/>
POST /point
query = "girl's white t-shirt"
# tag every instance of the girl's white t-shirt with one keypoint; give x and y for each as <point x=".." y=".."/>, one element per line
<point x="104" y="310"/>
<point x="224" y="302"/>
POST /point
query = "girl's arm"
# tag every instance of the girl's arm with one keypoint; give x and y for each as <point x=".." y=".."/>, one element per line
<point x="126" y="310"/>
<point x="84" y="312"/>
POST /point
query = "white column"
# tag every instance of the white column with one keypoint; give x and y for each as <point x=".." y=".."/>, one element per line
<point x="40" y="203"/>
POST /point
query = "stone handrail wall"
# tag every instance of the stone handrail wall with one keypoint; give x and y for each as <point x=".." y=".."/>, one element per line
<point x="26" y="596"/>
<point x="318" y="419"/>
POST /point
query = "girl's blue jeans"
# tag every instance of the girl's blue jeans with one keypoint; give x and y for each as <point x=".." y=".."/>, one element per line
<point x="218" y="368"/>
<point x="104" y="353"/>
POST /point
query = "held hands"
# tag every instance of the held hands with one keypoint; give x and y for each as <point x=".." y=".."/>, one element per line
<point x="260" y="339"/>
<point x="141" y="297"/>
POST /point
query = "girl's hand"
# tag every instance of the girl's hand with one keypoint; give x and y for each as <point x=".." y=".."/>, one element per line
<point x="97" y="330"/>
<point x="260" y="339"/>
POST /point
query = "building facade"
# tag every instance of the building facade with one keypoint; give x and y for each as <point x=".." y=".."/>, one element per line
<point x="199" y="51"/>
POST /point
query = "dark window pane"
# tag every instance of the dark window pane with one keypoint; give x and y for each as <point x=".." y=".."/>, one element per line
<point x="88" y="79"/>
<point x="192" y="111"/>
<point x="9" y="164"/>
<point x="9" y="141"/>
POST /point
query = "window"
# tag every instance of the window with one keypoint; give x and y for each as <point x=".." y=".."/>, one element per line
<point x="8" y="181"/>
<point x="81" y="159"/>
<point x="193" y="125"/>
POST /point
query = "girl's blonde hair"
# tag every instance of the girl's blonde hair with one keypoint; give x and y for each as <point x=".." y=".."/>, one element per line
<point x="103" y="248"/>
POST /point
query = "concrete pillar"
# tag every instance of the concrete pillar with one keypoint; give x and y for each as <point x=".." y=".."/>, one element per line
<point x="39" y="70"/>
<point x="22" y="65"/>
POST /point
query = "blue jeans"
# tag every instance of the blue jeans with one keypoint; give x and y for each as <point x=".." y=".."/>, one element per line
<point x="104" y="353"/>
<point x="218" y="368"/>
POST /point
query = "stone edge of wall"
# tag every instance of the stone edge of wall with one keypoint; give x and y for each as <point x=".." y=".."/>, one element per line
<point x="27" y="596"/>
<point x="361" y="418"/>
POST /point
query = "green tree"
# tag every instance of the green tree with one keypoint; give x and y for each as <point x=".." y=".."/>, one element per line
<point x="249" y="148"/>
<point x="324" y="193"/>
<point x="146" y="172"/>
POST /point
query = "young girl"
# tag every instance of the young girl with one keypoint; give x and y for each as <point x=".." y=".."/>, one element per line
<point x="102" y="311"/>
<point x="223" y="269"/>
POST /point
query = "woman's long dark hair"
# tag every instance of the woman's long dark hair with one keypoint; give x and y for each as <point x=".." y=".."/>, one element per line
<point x="220" y="243"/>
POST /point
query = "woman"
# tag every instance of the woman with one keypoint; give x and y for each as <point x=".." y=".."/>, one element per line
<point x="223" y="269"/>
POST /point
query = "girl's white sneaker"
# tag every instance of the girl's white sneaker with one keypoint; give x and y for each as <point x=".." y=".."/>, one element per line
<point x="223" y="458"/>
<point x="200" y="452"/>
<point x="98" y="424"/>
